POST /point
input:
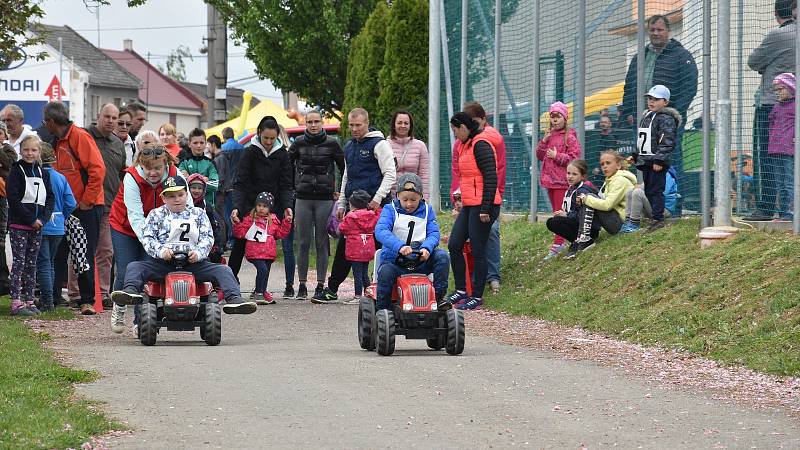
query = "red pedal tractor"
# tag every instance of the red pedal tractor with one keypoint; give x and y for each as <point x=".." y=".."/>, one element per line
<point x="414" y="313"/>
<point x="180" y="303"/>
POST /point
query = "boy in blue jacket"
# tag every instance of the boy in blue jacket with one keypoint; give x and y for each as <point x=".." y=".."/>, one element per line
<point x="392" y="232"/>
<point x="53" y="230"/>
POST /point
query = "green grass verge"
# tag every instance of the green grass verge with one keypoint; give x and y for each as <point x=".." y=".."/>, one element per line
<point x="37" y="406"/>
<point x="735" y="302"/>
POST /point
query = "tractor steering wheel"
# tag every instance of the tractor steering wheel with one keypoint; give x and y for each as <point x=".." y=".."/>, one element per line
<point x="410" y="261"/>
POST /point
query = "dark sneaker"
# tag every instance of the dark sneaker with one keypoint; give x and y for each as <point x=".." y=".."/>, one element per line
<point x="471" y="303"/>
<point x="87" y="310"/>
<point x="656" y="225"/>
<point x="288" y="293"/>
<point x="302" y="292"/>
<point x="127" y="296"/>
<point x="457" y="298"/>
<point x="578" y="247"/>
<point x="107" y="303"/>
<point x="32" y="308"/>
<point x="324" y="296"/>
<point x="22" y="311"/>
<point x="235" y="305"/>
<point x="442" y="304"/>
<point x="47" y="307"/>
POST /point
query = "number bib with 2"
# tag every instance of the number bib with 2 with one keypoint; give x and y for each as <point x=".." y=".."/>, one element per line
<point x="643" y="141"/>
<point x="183" y="232"/>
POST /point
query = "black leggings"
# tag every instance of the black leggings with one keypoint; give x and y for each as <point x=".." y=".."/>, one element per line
<point x="589" y="221"/>
<point x="468" y="225"/>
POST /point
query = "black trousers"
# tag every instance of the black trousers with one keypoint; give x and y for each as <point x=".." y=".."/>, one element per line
<point x="3" y="230"/>
<point x="566" y="227"/>
<point x="588" y="219"/>
<point x="654" y="185"/>
<point x="468" y="225"/>
<point x="90" y="221"/>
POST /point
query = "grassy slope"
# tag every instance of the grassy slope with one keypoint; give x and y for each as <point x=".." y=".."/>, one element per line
<point x="37" y="408"/>
<point x="735" y="302"/>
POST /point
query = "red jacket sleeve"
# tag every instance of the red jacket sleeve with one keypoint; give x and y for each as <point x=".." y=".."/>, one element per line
<point x="240" y="229"/>
<point x="281" y="228"/>
<point x="92" y="162"/>
<point x="571" y="152"/>
<point x="541" y="149"/>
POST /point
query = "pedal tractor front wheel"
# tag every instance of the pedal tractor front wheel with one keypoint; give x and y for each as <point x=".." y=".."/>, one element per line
<point x="385" y="332"/>
<point x="148" y="324"/>
<point x="212" y="324"/>
<point x="455" y="332"/>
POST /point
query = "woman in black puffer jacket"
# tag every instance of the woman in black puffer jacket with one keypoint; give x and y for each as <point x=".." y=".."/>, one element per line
<point x="315" y="157"/>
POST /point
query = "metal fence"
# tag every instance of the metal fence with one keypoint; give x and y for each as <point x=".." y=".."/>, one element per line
<point x="536" y="52"/>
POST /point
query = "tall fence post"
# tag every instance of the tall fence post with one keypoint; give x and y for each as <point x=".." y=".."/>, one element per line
<point x="464" y="49"/>
<point x="535" y="101"/>
<point x="448" y="83"/>
<point x="796" y="201"/>
<point x="498" y="8"/>
<point x="580" y="100"/>
<point x="722" y="176"/>
<point x="641" y="89"/>
<point x="739" y="104"/>
<point x="434" y="61"/>
<point x="705" y="176"/>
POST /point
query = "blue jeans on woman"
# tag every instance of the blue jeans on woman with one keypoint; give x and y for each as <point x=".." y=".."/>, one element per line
<point x="127" y="249"/>
<point x="45" y="269"/>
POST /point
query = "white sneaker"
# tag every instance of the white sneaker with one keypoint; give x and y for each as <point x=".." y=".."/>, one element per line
<point x="353" y="301"/>
<point x="118" y="319"/>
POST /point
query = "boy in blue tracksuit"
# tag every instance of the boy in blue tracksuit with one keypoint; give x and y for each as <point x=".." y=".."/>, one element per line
<point x="53" y="230"/>
<point x="392" y="232"/>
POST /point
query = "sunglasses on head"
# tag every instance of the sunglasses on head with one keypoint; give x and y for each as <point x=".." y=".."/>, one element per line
<point x="155" y="151"/>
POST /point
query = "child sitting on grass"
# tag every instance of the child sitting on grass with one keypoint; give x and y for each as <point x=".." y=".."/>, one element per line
<point x="604" y="210"/>
<point x="260" y="229"/>
<point x="392" y="232"/>
<point x="564" y="222"/>
<point x="358" y="228"/>
<point x="178" y="227"/>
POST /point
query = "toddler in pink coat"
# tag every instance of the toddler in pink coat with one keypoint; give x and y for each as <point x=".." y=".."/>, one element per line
<point x="358" y="229"/>
<point x="556" y="150"/>
<point x="261" y="228"/>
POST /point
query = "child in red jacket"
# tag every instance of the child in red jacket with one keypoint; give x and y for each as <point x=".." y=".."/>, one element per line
<point x="358" y="229"/>
<point x="261" y="228"/>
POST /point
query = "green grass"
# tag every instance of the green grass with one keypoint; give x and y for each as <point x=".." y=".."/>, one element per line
<point x="37" y="405"/>
<point x="735" y="302"/>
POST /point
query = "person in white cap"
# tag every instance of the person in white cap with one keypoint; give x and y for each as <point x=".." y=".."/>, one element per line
<point x="655" y="143"/>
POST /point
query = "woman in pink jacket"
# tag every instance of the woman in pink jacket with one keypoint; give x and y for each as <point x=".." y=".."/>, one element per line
<point x="556" y="150"/>
<point x="410" y="154"/>
<point x="260" y="229"/>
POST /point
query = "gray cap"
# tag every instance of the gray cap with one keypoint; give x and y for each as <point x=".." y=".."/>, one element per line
<point x="409" y="182"/>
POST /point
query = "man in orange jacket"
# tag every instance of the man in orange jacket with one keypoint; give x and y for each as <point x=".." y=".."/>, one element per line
<point x="80" y="161"/>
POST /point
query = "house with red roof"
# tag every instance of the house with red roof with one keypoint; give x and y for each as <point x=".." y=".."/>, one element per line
<point x="167" y="101"/>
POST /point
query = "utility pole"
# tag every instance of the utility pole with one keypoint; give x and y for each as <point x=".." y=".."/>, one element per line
<point x="217" y="68"/>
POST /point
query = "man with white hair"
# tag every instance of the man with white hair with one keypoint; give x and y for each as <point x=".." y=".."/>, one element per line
<point x="14" y="118"/>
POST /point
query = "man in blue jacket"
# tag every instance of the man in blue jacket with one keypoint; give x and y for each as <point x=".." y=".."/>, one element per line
<point x="392" y="232"/>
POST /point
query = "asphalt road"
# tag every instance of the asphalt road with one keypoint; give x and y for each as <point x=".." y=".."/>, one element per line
<point x="293" y="376"/>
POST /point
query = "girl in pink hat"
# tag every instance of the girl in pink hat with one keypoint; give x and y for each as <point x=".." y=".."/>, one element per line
<point x="781" y="143"/>
<point x="556" y="150"/>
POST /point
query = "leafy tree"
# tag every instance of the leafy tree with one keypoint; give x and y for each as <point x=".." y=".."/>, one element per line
<point x="403" y="79"/>
<point x="365" y="62"/>
<point x="300" y="45"/>
<point x="14" y="18"/>
<point x="176" y="68"/>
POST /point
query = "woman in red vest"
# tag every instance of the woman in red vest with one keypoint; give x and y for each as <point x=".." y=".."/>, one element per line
<point x="138" y="195"/>
<point x="481" y="201"/>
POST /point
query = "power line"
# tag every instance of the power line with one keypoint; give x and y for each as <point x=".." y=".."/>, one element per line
<point x="166" y="27"/>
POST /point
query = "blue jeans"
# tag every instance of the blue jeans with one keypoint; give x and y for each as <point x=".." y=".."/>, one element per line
<point x="438" y="264"/>
<point x="764" y="162"/>
<point x="262" y="274"/>
<point x="360" y="276"/>
<point x="127" y="249"/>
<point x="783" y="170"/>
<point x="45" y="269"/>
<point x="228" y="210"/>
<point x="493" y="253"/>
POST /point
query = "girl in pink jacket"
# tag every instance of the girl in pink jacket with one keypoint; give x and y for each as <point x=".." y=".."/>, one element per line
<point x="260" y="229"/>
<point x="556" y="150"/>
<point x="358" y="229"/>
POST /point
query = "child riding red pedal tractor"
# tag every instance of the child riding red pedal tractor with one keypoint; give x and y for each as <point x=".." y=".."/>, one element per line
<point x="179" y="303"/>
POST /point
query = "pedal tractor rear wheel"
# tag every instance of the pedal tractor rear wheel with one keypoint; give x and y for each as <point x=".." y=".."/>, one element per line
<point x="212" y="325"/>
<point x="148" y="324"/>
<point x="385" y="332"/>
<point x="366" y="324"/>
<point x="455" y="332"/>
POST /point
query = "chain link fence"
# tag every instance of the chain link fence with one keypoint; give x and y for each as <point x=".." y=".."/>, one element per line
<point x="674" y="56"/>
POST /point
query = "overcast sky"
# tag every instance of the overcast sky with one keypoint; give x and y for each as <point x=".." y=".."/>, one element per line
<point x="157" y="27"/>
